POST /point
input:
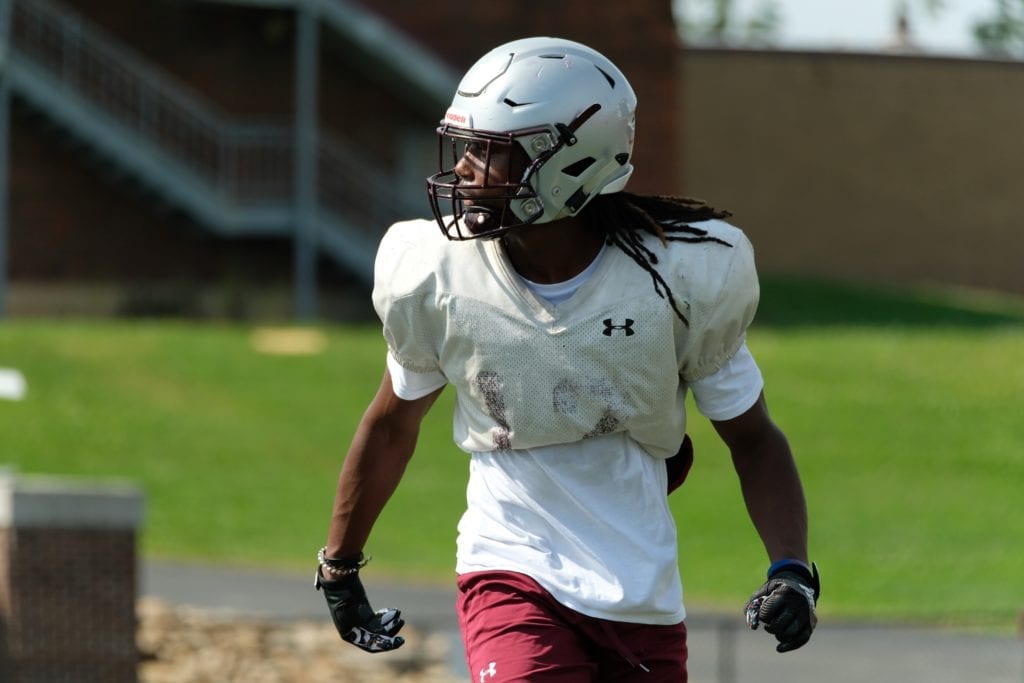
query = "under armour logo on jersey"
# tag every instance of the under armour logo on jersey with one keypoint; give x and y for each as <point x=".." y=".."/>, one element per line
<point x="609" y="327"/>
<point x="491" y="670"/>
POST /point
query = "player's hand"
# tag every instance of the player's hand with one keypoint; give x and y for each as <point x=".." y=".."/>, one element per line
<point x="785" y="604"/>
<point x="355" y="619"/>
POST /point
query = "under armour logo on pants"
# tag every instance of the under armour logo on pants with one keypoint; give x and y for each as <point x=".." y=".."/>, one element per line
<point x="491" y="670"/>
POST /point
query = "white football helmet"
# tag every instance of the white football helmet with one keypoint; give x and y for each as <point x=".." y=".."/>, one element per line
<point x="550" y="122"/>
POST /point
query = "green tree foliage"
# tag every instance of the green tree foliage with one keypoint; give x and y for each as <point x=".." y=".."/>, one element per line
<point x="1002" y="34"/>
<point x="714" y="22"/>
<point x="931" y="7"/>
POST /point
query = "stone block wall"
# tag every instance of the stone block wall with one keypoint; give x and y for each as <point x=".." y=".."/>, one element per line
<point x="68" y="581"/>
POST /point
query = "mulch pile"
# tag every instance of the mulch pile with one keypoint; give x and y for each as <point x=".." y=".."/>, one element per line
<point x="187" y="645"/>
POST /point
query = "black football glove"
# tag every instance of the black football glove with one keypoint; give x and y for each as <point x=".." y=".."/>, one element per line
<point x="355" y="619"/>
<point x="785" y="605"/>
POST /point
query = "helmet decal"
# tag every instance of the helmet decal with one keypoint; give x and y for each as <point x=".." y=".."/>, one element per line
<point x="458" y="117"/>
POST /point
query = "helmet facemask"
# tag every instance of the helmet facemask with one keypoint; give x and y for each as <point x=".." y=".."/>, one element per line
<point x="504" y="199"/>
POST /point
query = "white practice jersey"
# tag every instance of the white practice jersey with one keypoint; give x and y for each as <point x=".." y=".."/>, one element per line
<point x="613" y="358"/>
<point x="568" y="410"/>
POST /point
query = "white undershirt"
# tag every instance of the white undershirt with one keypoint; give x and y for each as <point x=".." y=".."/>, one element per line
<point x="558" y="292"/>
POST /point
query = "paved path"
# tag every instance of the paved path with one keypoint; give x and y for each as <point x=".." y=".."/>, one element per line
<point x="720" y="650"/>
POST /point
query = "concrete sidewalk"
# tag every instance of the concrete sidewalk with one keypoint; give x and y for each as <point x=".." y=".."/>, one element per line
<point x="722" y="650"/>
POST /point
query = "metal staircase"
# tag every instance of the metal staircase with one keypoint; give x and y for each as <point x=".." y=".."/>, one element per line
<point x="235" y="178"/>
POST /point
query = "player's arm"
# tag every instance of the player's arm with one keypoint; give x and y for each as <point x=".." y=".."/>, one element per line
<point x="381" y="448"/>
<point x="774" y="497"/>
<point x="769" y="480"/>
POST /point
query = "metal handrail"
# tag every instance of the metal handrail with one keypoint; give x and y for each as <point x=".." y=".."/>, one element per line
<point x="348" y="185"/>
<point x="116" y="82"/>
<point x="242" y="163"/>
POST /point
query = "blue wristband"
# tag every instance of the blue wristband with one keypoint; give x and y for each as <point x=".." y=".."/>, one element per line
<point x="786" y="562"/>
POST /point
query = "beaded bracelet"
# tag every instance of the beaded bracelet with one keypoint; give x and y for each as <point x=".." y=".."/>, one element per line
<point x="340" y="567"/>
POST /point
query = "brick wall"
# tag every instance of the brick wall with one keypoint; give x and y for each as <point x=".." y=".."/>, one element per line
<point x="74" y="224"/>
<point x="240" y="58"/>
<point x="72" y="219"/>
<point x="68" y="581"/>
<point x="82" y="237"/>
<point x="852" y="166"/>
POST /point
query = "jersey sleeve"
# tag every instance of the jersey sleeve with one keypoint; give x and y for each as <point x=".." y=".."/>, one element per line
<point x="405" y="299"/>
<point x="730" y="391"/>
<point x="721" y="309"/>
<point x="409" y="385"/>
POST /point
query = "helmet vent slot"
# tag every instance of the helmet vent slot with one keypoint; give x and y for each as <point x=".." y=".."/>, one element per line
<point x="611" y="81"/>
<point x="514" y="104"/>
<point x="577" y="167"/>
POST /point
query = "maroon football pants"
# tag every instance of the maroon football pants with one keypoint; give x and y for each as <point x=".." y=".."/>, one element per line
<point x="514" y="630"/>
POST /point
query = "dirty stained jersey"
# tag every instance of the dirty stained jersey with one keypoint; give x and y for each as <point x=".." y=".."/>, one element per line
<point x="568" y="410"/>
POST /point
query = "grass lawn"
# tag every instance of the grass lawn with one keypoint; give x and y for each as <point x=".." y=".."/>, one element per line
<point x="904" y="411"/>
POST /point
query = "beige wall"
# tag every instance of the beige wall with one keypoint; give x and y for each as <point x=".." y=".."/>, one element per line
<point x="883" y="168"/>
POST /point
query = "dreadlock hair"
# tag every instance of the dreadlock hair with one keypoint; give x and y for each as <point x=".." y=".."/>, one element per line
<point x="623" y="217"/>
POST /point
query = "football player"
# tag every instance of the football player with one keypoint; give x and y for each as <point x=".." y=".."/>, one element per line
<point x="571" y="318"/>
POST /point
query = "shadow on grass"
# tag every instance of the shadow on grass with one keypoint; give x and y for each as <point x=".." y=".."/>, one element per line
<point x="789" y="302"/>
